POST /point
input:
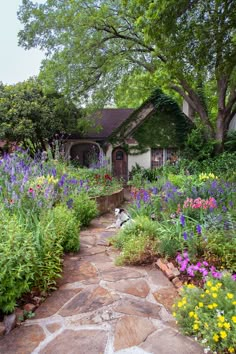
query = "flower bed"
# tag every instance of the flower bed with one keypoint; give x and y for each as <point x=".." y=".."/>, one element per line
<point x="43" y="204"/>
<point x="191" y="221"/>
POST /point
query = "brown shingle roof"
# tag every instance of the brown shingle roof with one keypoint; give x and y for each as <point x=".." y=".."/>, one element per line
<point x="108" y="119"/>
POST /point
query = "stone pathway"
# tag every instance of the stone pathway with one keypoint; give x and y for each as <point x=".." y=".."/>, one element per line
<point x="103" y="309"/>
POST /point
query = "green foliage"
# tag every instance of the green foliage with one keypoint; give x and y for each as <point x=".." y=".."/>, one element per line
<point x="49" y="251"/>
<point x="66" y="226"/>
<point x="197" y="147"/>
<point x="84" y="207"/>
<point x="138" y="241"/>
<point x="230" y="143"/>
<point x="220" y="247"/>
<point x="17" y="260"/>
<point x="118" y="42"/>
<point x="209" y="314"/>
<point x="31" y="116"/>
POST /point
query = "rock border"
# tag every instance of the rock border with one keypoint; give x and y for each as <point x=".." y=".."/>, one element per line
<point x="170" y="271"/>
<point x="109" y="202"/>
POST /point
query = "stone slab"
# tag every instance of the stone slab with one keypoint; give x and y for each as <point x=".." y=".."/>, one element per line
<point x="169" y="341"/>
<point x="138" y="308"/>
<point x="53" y="327"/>
<point x="88" y="300"/>
<point x="54" y="302"/>
<point x="131" y="331"/>
<point x="118" y="273"/>
<point x="158" y="278"/>
<point x="77" y="342"/>
<point x="135" y="287"/>
<point x="22" y="340"/>
<point x="166" y="297"/>
<point x="78" y="270"/>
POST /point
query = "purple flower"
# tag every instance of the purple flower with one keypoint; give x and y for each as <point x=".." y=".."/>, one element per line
<point x="70" y="203"/>
<point x="234" y="277"/>
<point x="185" y="235"/>
<point x="182" y="220"/>
<point x="199" y="229"/>
<point x="154" y="190"/>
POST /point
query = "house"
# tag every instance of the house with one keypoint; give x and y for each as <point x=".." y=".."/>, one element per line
<point x="148" y="136"/>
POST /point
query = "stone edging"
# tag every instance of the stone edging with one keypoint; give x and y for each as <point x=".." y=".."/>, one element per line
<point x="109" y="202"/>
<point x="171" y="272"/>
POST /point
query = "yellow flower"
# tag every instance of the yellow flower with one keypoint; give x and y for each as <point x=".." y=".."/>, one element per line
<point x="202" y="295"/>
<point x="231" y="350"/>
<point x="220" y="325"/>
<point x="191" y="286"/>
<point x="200" y="304"/>
<point x="226" y="325"/>
<point x="214" y="304"/>
<point x="223" y="334"/>
<point x="191" y="314"/>
<point x="210" y="306"/>
<point x="195" y="326"/>
<point x="214" y="288"/>
<point x="207" y="291"/>
<point x="174" y="314"/>
<point x="209" y="283"/>
<point x="233" y="318"/>
<point x="230" y="295"/>
<point x="180" y="304"/>
<point x="219" y="285"/>
<point x="221" y="318"/>
<point x="195" y="316"/>
<point x="214" y="295"/>
<point x="234" y="302"/>
<point x="216" y="337"/>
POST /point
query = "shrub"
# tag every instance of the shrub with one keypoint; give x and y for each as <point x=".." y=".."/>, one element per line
<point x="85" y="208"/>
<point x="138" y="241"/>
<point x="49" y="250"/>
<point x="66" y="226"/>
<point x="220" y="247"/>
<point x="209" y="314"/>
<point x="17" y="259"/>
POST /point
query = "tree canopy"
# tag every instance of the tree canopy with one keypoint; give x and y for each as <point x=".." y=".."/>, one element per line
<point x="96" y="47"/>
<point x="30" y="116"/>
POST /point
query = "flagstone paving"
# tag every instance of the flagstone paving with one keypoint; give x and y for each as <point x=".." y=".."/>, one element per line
<point x="100" y="308"/>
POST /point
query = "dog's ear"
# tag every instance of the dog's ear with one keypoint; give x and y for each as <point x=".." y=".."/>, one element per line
<point x="122" y="210"/>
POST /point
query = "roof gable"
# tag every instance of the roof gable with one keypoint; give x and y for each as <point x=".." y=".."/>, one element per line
<point x="106" y="121"/>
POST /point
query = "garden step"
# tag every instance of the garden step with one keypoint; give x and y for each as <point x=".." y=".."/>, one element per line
<point x="100" y="308"/>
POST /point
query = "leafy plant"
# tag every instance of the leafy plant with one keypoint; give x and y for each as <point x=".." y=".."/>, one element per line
<point x="209" y="314"/>
<point x="138" y="241"/>
<point x="85" y="208"/>
<point x="17" y="260"/>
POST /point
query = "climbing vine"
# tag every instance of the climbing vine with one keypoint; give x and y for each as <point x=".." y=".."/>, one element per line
<point x="166" y="127"/>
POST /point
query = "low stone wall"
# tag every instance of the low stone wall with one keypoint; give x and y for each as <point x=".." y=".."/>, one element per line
<point x="109" y="202"/>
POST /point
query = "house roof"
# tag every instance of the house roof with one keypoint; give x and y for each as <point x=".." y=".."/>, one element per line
<point x="107" y="120"/>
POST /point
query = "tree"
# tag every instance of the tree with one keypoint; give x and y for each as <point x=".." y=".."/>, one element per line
<point x="32" y="117"/>
<point x="188" y="46"/>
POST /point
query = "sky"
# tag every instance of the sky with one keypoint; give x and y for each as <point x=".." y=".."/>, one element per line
<point x="16" y="63"/>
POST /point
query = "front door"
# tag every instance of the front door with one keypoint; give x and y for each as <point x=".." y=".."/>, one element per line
<point x="120" y="164"/>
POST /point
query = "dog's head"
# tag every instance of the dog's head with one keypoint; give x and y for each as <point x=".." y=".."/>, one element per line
<point x="118" y="211"/>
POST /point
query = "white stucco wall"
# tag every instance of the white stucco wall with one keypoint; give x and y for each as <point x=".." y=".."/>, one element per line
<point x="143" y="160"/>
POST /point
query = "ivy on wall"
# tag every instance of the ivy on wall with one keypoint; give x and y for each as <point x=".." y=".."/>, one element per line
<point x="167" y="126"/>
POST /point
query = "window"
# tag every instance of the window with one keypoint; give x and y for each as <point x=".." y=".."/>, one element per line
<point x="157" y="158"/>
<point x="119" y="155"/>
<point x="160" y="156"/>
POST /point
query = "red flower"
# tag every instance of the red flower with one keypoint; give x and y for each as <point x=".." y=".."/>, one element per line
<point x="38" y="186"/>
<point x="108" y="177"/>
<point x="30" y="190"/>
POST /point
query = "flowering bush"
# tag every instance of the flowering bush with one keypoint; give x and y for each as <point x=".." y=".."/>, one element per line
<point x="209" y="314"/>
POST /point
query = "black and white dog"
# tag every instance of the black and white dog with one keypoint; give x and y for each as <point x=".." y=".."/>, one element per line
<point x="122" y="219"/>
